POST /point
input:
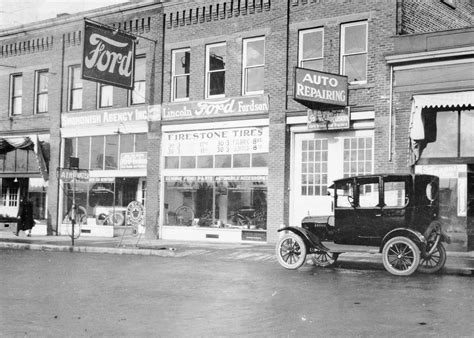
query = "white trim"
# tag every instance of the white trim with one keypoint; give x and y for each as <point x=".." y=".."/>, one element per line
<point x="97" y="130"/>
<point x="173" y="74"/>
<point x="213" y="125"/>
<point x="433" y="64"/>
<point x="429" y="55"/>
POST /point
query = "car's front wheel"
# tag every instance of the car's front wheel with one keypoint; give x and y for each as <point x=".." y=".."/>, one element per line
<point x="291" y="251"/>
<point x="400" y="256"/>
<point x="434" y="262"/>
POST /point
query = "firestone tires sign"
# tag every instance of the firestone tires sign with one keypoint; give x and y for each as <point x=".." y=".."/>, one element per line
<point x="108" y="56"/>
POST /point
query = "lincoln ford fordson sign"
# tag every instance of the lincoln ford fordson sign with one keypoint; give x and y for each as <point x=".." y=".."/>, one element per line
<point x="108" y="56"/>
<point x="313" y="88"/>
<point x="244" y="105"/>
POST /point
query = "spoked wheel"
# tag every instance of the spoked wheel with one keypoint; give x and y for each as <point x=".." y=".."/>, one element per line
<point x="434" y="262"/>
<point x="401" y="256"/>
<point x="324" y="259"/>
<point x="291" y="251"/>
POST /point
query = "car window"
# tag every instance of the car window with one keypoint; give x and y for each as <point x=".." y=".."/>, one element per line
<point x="394" y="194"/>
<point x="344" y="193"/>
<point x="368" y="194"/>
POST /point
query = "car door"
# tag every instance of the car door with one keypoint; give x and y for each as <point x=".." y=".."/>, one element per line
<point x="395" y="203"/>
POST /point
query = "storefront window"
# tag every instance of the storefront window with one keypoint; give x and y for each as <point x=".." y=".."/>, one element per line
<point x="467" y="138"/>
<point x="111" y="151"/>
<point x="83" y="149"/>
<point x="218" y="202"/>
<point x="104" y="199"/>
<point x="446" y="143"/>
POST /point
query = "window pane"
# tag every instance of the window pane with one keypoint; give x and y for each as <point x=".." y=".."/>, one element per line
<point x="241" y="160"/>
<point x="355" y="39"/>
<point x="97" y="152"/>
<point x="138" y="93"/>
<point x="17" y="104"/>
<point x="182" y="62"/>
<point x="446" y="143"/>
<point x="312" y="44"/>
<point x="188" y="162"/>
<point x="42" y="103"/>
<point x="76" y="99"/>
<point x="223" y="161"/>
<point x="83" y="152"/>
<point x="126" y="143"/>
<point x="141" y="142"/>
<point x="255" y="79"/>
<point x="172" y="162"/>
<point x="394" y="194"/>
<point x="217" y="83"/>
<point x="181" y="89"/>
<point x="313" y="64"/>
<point x="259" y="160"/>
<point x="467" y="127"/>
<point x="205" y="161"/>
<point x="255" y="53"/>
<point x="69" y="150"/>
<point x="355" y="67"/>
<point x="106" y="96"/>
<point x="17" y="85"/>
<point x="217" y="57"/>
<point x="111" y="151"/>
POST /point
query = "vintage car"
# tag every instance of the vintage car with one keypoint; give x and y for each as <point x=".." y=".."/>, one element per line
<point x="396" y="214"/>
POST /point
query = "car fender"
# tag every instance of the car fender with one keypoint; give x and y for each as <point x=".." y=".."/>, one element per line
<point x="310" y="239"/>
<point x="414" y="235"/>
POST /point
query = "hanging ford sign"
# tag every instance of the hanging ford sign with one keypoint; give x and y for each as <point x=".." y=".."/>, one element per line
<point x="108" y="56"/>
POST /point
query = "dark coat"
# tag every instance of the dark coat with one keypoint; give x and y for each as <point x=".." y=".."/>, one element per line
<point x="25" y="216"/>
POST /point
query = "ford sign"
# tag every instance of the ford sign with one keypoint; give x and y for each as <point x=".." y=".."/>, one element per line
<point x="108" y="56"/>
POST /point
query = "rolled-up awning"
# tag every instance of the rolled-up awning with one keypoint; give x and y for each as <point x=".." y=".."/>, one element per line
<point x="423" y="128"/>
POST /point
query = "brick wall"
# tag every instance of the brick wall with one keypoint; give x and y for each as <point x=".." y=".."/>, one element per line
<point x="423" y="16"/>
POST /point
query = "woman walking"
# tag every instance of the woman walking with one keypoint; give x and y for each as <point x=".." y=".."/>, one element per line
<point x="25" y="216"/>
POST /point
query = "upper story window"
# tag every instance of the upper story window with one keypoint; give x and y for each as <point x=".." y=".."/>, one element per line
<point x="139" y="85"/>
<point x="75" y="88"/>
<point x="215" y="70"/>
<point x="253" y="65"/>
<point x="311" y="48"/>
<point x="41" y="91"/>
<point x="16" y="96"/>
<point x="106" y="95"/>
<point x="181" y="60"/>
<point x="354" y="51"/>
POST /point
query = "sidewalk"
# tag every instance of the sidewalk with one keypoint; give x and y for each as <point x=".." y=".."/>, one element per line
<point x="460" y="263"/>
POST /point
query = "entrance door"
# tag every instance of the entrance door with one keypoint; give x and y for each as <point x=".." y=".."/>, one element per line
<point x="310" y="178"/>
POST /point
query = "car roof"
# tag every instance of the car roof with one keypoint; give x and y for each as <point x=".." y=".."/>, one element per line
<point x="391" y="176"/>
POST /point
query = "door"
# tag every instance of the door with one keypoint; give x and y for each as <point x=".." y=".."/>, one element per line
<point x="310" y="178"/>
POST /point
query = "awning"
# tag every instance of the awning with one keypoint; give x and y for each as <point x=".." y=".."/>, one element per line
<point x="30" y="142"/>
<point x="423" y="127"/>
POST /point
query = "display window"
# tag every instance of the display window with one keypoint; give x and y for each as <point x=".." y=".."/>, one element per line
<point x="104" y="200"/>
<point x="229" y="202"/>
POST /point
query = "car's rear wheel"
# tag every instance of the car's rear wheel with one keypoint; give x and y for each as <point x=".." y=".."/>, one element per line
<point x="324" y="259"/>
<point x="435" y="261"/>
<point x="401" y="256"/>
<point x="291" y="251"/>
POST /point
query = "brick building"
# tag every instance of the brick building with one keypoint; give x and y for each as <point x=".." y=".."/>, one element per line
<point x="263" y="104"/>
<point x="50" y="114"/>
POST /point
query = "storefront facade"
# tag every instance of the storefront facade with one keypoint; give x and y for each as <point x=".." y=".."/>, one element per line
<point x="111" y="147"/>
<point x="437" y="100"/>
<point x="24" y="174"/>
<point x="215" y="172"/>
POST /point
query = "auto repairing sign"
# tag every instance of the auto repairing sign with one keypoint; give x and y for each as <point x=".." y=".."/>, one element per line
<point x="108" y="56"/>
<point x="321" y="88"/>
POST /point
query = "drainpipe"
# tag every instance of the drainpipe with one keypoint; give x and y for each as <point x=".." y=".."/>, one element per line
<point x="390" y="115"/>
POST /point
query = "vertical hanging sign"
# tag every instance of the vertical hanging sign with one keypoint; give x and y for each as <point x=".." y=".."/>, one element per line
<point x="108" y="56"/>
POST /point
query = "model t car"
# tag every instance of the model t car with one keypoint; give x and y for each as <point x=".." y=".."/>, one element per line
<point x="397" y="214"/>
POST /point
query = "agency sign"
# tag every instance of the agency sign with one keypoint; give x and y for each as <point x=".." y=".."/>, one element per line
<point x="313" y="88"/>
<point x="108" y="56"/>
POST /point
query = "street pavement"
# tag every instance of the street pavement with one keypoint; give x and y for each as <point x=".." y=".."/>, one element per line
<point x="460" y="263"/>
